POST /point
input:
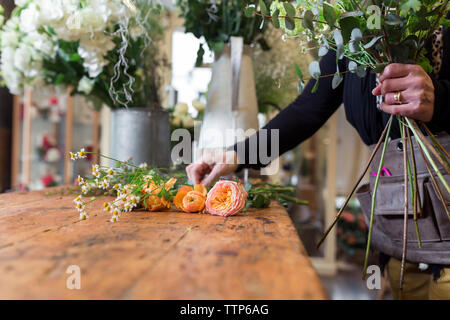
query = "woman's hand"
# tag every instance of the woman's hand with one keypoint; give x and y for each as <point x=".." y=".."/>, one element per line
<point x="211" y="166"/>
<point x="416" y="91"/>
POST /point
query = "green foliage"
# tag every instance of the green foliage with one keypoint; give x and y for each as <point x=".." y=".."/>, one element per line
<point x="217" y="23"/>
<point x="260" y="195"/>
<point x="343" y="26"/>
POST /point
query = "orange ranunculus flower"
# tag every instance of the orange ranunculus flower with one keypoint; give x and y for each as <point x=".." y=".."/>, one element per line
<point x="194" y="201"/>
<point x="154" y="202"/>
<point x="226" y="198"/>
<point x="182" y="192"/>
<point x="190" y="199"/>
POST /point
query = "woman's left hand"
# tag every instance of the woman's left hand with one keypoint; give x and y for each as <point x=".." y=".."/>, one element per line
<point x="416" y="91"/>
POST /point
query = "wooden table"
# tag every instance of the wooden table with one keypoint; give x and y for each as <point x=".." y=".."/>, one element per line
<point x="164" y="255"/>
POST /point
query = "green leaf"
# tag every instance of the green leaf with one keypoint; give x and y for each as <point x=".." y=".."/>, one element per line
<point x="314" y="69"/>
<point x="337" y="79"/>
<point x="263" y="7"/>
<point x="75" y="57"/>
<point x="300" y="86"/>
<point x="298" y="71"/>
<point x="249" y="12"/>
<point x="393" y="20"/>
<point x="290" y="10"/>
<point x="316" y="86"/>
<point x="372" y="42"/>
<point x="308" y="20"/>
<point x="276" y="21"/>
<point x="347" y="26"/>
<point x="59" y="79"/>
<point x="329" y="14"/>
<point x="289" y="23"/>
<point x="410" y="5"/>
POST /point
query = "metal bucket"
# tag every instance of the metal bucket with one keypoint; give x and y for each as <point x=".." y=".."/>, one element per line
<point x="142" y="134"/>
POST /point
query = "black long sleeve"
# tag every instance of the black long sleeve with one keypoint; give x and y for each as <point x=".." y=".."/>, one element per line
<point x="301" y="119"/>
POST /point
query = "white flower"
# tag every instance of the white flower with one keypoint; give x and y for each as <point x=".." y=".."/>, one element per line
<point x="21" y="3"/>
<point x="104" y="184"/>
<point x="22" y="58"/>
<point x="73" y="156"/>
<point x="127" y="207"/>
<point x="110" y="173"/>
<point x="84" y="189"/>
<point x="198" y="105"/>
<point x="80" y="206"/>
<point x="9" y="39"/>
<point x="82" y="154"/>
<point x="29" y="18"/>
<point x="78" y="199"/>
<point x="143" y="165"/>
<point x="83" y="215"/>
<point x="181" y="108"/>
<point x="114" y="218"/>
<point x="52" y="155"/>
<point x="93" y="50"/>
<point x="188" y="121"/>
<point x="176" y="121"/>
<point x="85" y="85"/>
<point x="50" y="11"/>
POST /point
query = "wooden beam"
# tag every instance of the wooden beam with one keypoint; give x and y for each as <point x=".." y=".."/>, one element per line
<point x="96" y="136"/>
<point x="15" y="152"/>
<point x="68" y="138"/>
<point x="26" y="138"/>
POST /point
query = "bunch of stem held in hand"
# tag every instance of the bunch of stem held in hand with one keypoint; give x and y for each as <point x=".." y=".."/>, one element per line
<point x="372" y="35"/>
<point x="157" y="189"/>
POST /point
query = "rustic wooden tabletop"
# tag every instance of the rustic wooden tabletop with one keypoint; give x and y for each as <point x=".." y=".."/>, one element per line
<point x="164" y="255"/>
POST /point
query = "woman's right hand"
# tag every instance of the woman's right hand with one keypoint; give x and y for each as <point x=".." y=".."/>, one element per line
<point x="211" y="166"/>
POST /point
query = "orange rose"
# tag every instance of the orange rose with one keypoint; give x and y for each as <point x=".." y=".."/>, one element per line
<point x="190" y="199"/>
<point x="226" y="198"/>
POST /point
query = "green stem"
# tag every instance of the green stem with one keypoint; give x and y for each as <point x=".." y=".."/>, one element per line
<point x="427" y="154"/>
<point x="415" y="194"/>
<point x="374" y="196"/>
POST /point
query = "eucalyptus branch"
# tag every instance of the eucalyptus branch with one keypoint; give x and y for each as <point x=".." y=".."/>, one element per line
<point x="265" y="16"/>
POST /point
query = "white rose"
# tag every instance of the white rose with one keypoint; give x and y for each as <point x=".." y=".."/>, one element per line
<point x="40" y="43"/>
<point x="22" y="57"/>
<point x="21" y="3"/>
<point x="50" y="11"/>
<point x="181" y="108"/>
<point x="10" y="39"/>
<point x="198" y="105"/>
<point x="29" y="18"/>
<point x="93" y="19"/>
<point x="188" y="121"/>
<point x="12" y="78"/>
<point x="85" y="85"/>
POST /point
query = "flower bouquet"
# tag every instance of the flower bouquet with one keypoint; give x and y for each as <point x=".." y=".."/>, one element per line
<point x="372" y="35"/>
<point x="157" y="189"/>
<point x="104" y="49"/>
<point x="219" y="20"/>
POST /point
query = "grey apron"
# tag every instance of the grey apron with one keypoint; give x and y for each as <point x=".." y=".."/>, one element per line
<point x="434" y="225"/>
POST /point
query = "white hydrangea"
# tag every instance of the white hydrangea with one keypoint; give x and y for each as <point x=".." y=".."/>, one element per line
<point x="25" y="45"/>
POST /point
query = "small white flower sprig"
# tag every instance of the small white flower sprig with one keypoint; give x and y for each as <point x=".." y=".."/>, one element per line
<point x="133" y="186"/>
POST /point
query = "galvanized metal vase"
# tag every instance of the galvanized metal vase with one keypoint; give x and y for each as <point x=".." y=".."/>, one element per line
<point x="141" y="134"/>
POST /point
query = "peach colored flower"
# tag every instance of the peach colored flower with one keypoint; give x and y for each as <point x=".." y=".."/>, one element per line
<point x="226" y="198"/>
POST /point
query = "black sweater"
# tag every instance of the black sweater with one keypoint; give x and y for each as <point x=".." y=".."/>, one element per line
<point x="301" y="119"/>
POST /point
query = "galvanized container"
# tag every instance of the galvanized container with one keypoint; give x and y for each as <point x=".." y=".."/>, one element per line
<point x="142" y="134"/>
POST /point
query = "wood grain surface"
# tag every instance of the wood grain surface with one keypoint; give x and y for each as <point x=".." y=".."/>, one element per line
<point x="163" y="255"/>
